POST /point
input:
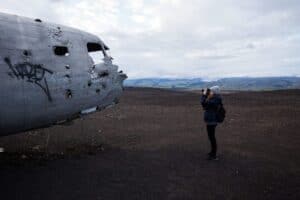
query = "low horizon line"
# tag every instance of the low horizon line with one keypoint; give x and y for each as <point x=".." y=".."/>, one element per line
<point x="216" y="78"/>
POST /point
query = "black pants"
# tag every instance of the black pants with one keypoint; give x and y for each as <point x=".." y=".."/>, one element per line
<point x="211" y="136"/>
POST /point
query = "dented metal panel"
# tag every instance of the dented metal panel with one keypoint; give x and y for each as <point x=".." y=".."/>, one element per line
<point x="48" y="84"/>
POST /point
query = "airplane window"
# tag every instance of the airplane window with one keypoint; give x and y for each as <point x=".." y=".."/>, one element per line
<point x="96" y="52"/>
<point x="61" y="51"/>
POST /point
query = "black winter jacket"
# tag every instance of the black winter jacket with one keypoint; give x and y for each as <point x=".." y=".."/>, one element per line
<point x="210" y="107"/>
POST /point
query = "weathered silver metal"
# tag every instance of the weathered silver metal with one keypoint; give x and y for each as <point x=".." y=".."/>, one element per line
<point x="48" y="76"/>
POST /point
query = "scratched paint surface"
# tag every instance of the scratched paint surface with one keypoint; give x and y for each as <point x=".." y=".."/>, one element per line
<point x="41" y="88"/>
<point x="33" y="73"/>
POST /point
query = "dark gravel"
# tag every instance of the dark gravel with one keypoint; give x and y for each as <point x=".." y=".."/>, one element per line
<point x="153" y="145"/>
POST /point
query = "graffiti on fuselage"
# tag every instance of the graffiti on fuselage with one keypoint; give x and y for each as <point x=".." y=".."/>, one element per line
<point x="33" y="73"/>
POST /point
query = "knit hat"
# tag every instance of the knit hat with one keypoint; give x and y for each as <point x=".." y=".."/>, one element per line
<point x="215" y="89"/>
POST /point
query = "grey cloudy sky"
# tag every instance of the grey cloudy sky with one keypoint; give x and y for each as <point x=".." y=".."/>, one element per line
<point x="184" y="38"/>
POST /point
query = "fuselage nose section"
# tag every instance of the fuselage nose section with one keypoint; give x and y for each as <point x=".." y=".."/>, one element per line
<point x="122" y="75"/>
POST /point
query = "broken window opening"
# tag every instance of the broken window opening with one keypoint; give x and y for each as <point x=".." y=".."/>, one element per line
<point x="103" y="74"/>
<point x="96" y="52"/>
<point x="26" y="53"/>
<point x="61" y="51"/>
<point x="38" y="20"/>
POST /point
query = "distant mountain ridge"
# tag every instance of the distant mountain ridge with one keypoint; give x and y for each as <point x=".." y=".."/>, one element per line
<point x="240" y="83"/>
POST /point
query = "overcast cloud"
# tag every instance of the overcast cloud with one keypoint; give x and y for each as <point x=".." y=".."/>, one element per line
<point x="177" y="38"/>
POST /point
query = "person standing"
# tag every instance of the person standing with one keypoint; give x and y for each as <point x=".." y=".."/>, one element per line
<point x="211" y="102"/>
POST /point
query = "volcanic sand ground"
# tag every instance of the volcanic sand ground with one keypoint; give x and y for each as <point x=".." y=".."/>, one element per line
<point x="153" y="144"/>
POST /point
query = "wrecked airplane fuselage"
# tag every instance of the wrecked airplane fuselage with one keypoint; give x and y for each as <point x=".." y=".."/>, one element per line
<point x="51" y="73"/>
